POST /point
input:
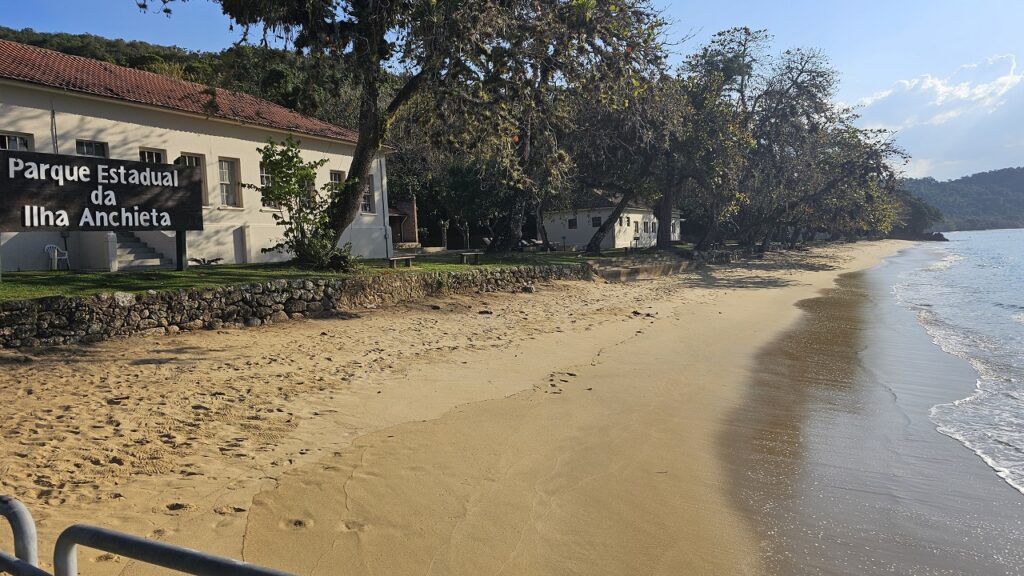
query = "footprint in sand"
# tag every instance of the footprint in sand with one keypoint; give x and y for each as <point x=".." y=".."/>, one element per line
<point x="296" y="524"/>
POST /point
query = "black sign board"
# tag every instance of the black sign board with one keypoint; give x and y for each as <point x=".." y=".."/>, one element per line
<point x="61" y="192"/>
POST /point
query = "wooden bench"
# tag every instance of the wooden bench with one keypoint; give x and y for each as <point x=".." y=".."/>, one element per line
<point x="465" y="257"/>
<point x="407" y="260"/>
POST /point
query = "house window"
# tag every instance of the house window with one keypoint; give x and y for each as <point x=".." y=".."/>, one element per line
<point x="189" y="160"/>
<point x="91" y="148"/>
<point x="647" y="226"/>
<point x="151" y="156"/>
<point x="572" y="223"/>
<point x="595" y="221"/>
<point x="229" y="195"/>
<point x="654" y="226"/>
<point x="194" y="161"/>
<point x="14" y="142"/>
<point x="636" y="227"/>
<point x="266" y="180"/>
<point x="369" y="197"/>
<point x="337" y="178"/>
<point x="620" y="221"/>
<point x="627" y="220"/>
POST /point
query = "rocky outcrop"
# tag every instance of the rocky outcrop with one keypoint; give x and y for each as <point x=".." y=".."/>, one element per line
<point x="61" y="320"/>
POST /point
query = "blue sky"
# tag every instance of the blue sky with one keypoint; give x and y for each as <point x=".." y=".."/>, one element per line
<point x="944" y="73"/>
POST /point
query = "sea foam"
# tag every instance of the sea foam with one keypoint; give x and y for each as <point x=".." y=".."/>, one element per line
<point x="962" y="301"/>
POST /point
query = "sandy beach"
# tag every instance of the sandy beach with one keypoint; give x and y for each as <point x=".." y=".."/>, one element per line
<point x="575" y="430"/>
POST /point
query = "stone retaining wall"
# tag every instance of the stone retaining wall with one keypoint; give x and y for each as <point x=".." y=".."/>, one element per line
<point x="61" y="320"/>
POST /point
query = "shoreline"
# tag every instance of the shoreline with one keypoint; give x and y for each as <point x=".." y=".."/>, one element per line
<point x="847" y="471"/>
<point x="453" y="454"/>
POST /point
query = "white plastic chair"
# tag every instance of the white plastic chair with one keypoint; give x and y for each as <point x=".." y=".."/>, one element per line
<point x="56" y="255"/>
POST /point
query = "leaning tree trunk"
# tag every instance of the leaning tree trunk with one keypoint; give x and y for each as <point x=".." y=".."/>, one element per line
<point x="345" y="203"/>
<point x="594" y="246"/>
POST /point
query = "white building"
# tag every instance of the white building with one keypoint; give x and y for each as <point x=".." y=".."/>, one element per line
<point x="636" y="227"/>
<point x="55" y="103"/>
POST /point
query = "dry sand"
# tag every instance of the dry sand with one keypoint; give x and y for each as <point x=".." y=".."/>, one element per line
<point x="573" y="430"/>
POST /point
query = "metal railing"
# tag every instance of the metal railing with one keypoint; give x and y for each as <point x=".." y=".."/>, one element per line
<point x="25" y="561"/>
<point x="65" y="556"/>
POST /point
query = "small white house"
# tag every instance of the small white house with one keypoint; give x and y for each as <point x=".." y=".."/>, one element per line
<point x="636" y="227"/>
<point x="56" y="103"/>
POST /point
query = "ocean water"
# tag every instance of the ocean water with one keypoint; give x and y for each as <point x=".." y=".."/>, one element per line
<point x="971" y="301"/>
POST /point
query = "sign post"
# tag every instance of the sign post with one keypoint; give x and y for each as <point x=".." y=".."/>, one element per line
<point x="181" y="249"/>
<point x="58" y="192"/>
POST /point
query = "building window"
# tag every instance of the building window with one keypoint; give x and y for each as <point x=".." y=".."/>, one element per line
<point x="229" y="195"/>
<point x="337" y="179"/>
<point x="647" y="226"/>
<point x="654" y="226"/>
<point x="14" y="142"/>
<point x="636" y="227"/>
<point x="195" y="161"/>
<point x="620" y="221"/>
<point x="266" y="180"/>
<point x="91" y="148"/>
<point x="151" y="156"/>
<point x="189" y="161"/>
<point x="369" y="197"/>
<point x="572" y="223"/>
<point x="627" y="221"/>
<point x="595" y="221"/>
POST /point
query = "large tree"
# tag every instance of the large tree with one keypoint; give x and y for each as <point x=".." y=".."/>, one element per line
<point x="418" y="42"/>
<point x="515" y="109"/>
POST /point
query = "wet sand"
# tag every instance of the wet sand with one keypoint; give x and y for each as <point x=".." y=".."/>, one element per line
<point x="574" y="430"/>
<point x="836" y="459"/>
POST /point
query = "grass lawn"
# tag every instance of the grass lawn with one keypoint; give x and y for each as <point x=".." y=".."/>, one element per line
<point x="22" y="285"/>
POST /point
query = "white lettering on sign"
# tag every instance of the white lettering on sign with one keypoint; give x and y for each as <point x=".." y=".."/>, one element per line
<point x="59" y="173"/>
<point x="112" y="192"/>
<point x="35" y="216"/>
<point x="144" y="177"/>
<point x="124" y="217"/>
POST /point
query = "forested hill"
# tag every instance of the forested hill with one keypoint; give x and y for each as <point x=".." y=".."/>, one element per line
<point x="981" y="201"/>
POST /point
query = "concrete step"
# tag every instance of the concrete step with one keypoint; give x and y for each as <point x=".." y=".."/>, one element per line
<point x="133" y="253"/>
<point x="131" y="263"/>
<point x="137" y="249"/>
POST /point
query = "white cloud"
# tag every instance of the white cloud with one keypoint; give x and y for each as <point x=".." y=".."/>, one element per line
<point x="955" y="125"/>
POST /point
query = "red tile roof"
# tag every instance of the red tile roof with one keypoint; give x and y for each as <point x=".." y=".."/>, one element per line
<point x="74" y="73"/>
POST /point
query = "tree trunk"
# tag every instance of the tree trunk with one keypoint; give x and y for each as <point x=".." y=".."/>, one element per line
<point x="594" y="246"/>
<point x="663" y="213"/>
<point x="542" y="231"/>
<point x="444" y="234"/>
<point x="345" y="203"/>
<point x="710" y="232"/>
<point x="515" y="225"/>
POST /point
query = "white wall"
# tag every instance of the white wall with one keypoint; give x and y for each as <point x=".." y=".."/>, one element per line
<point x="237" y="235"/>
<point x="623" y="235"/>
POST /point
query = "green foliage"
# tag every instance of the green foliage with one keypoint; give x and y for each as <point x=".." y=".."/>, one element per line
<point x="290" y="187"/>
<point x="987" y="200"/>
<point x="499" y="109"/>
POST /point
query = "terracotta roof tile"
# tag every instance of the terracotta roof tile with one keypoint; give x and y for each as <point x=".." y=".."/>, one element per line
<point x="74" y="73"/>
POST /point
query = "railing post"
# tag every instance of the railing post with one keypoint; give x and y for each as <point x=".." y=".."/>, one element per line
<point x="26" y="546"/>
